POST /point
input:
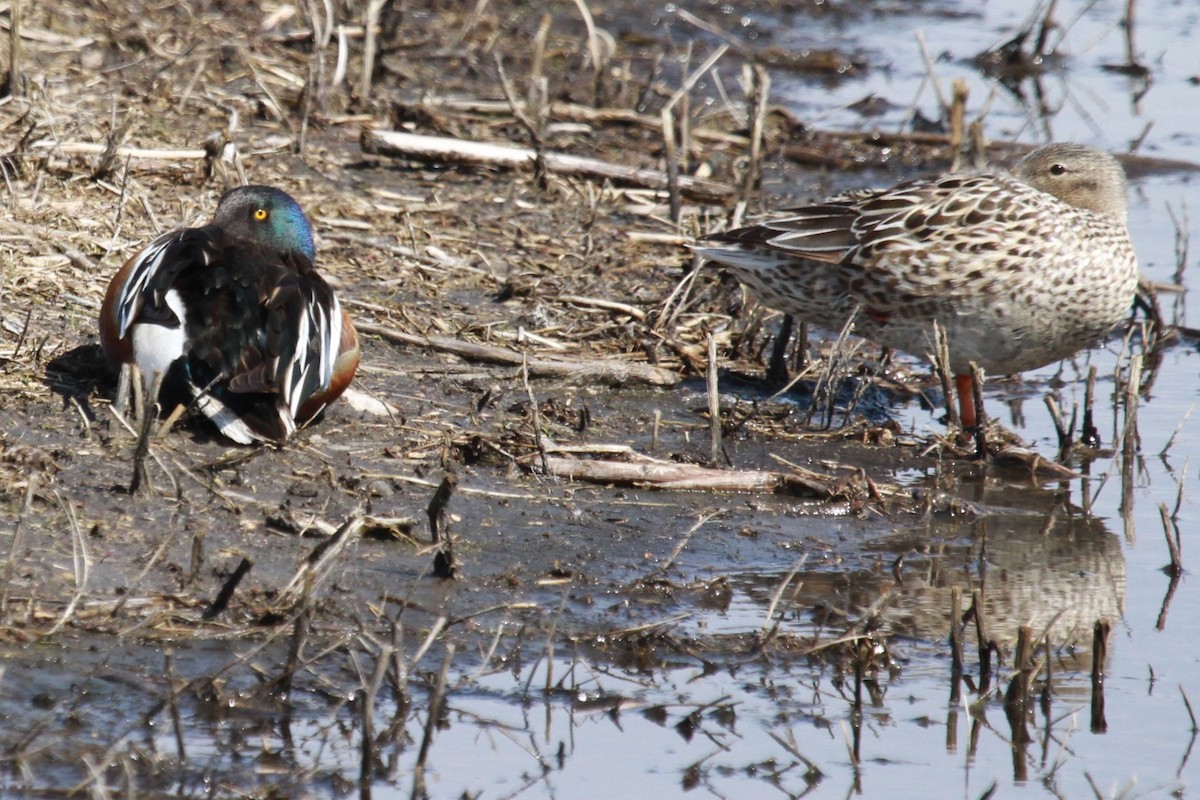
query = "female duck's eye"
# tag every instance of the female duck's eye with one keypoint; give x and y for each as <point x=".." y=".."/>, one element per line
<point x="260" y="214"/>
<point x="1057" y="169"/>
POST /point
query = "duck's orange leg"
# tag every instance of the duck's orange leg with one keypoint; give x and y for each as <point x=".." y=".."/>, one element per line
<point x="966" y="401"/>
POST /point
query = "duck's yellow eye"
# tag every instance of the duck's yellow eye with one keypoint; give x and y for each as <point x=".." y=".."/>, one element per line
<point x="260" y="214"/>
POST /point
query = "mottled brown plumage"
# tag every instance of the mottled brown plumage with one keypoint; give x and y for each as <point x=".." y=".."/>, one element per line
<point x="1020" y="269"/>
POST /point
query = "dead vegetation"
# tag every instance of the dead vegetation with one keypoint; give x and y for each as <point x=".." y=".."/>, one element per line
<point x="525" y="311"/>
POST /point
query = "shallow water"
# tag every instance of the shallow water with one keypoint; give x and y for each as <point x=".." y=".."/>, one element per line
<point x="716" y="720"/>
<point x="1042" y="558"/>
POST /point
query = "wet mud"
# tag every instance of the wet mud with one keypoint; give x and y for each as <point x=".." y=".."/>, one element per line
<point x="269" y="621"/>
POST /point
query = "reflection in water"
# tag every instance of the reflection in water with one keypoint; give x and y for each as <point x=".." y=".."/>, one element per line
<point x="1036" y="561"/>
<point x="1047" y="577"/>
<point x="1034" y="557"/>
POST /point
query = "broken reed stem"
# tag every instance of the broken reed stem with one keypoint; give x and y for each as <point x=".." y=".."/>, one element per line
<point x="535" y="415"/>
<point x="383" y="662"/>
<point x="435" y="711"/>
<point x="450" y="150"/>
<point x="981" y="417"/>
<point x="683" y="115"/>
<point x="13" y="79"/>
<point x="958" y="123"/>
<point x="833" y="373"/>
<point x="1129" y="434"/>
<point x="548" y="654"/>
<point x="1171" y="531"/>
<point x="981" y="636"/>
<point x="18" y="541"/>
<point x="445" y="565"/>
<point x="1017" y="698"/>
<point x="1066" y="436"/>
<point x="534" y="129"/>
<point x="300" y="628"/>
<point x="81" y="563"/>
<point x="1048" y="688"/>
<point x="605" y="371"/>
<point x="771" y="623"/>
<point x="671" y="156"/>
<point x="1131" y="59"/>
<point x="196" y="561"/>
<point x="941" y="367"/>
<point x="537" y="66"/>
<point x="760" y="94"/>
<point x="714" y="404"/>
<point x="595" y="51"/>
<point x="370" y="47"/>
<point x="1089" y="434"/>
<point x="683" y="542"/>
<point x="1191" y="714"/>
<point x="943" y="106"/>
<point x="956" y="633"/>
<point x="1099" y="656"/>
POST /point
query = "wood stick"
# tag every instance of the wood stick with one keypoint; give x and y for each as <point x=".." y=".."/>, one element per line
<point x="13" y="79"/>
<point x="671" y="157"/>
<point x="612" y="372"/>
<point x="1089" y="434"/>
<point x="714" y="404"/>
<point x="370" y="46"/>
<point x="981" y="418"/>
<point x="124" y="151"/>
<point x="1066" y="436"/>
<point x="956" y="633"/>
<point x="761" y="88"/>
<point x="670" y="475"/>
<point x="460" y="151"/>
<point x="1133" y="383"/>
<point x="1171" y="531"/>
<point x="981" y="635"/>
<point x="941" y="366"/>
<point x="1017" y="702"/>
<point x="802" y="153"/>
<point x="1099" y="656"/>
<point x="958" y="125"/>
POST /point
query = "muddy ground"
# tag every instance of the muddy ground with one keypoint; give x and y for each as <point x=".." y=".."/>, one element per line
<point x="105" y="589"/>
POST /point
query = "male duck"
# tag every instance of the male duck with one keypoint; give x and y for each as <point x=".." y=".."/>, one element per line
<point x="235" y="317"/>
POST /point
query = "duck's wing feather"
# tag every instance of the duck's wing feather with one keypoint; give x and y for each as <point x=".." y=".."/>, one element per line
<point x="151" y="274"/>
<point x="914" y="217"/>
<point x="264" y="323"/>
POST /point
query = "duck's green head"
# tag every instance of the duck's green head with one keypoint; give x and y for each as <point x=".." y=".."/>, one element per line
<point x="266" y="216"/>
